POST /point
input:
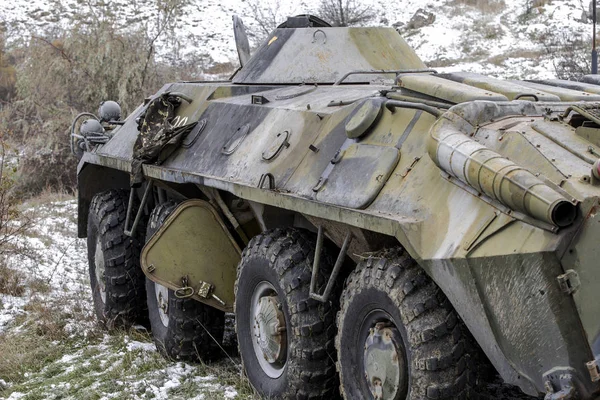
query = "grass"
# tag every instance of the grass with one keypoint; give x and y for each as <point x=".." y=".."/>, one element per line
<point x="54" y="349"/>
<point x="12" y="282"/>
<point x="42" y="365"/>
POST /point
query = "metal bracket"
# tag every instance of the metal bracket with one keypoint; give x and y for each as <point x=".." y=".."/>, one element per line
<point x="561" y="384"/>
<point x="206" y="291"/>
<point x="259" y="99"/>
<point x="136" y="221"/>
<point x="336" y="268"/>
<point x="566" y="393"/>
<point x="594" y="370"/>
<point x="569" y="281"/>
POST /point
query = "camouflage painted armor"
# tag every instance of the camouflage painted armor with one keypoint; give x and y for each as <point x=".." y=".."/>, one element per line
<point x="489" y="189"/>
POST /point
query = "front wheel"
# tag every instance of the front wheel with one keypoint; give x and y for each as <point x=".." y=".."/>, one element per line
<point x="285" y="338"/>
<point x="115" y="275"/>
<point x="399" y="337"/>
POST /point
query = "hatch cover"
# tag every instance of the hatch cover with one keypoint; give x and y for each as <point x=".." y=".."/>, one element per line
<point x="358" y="175"/>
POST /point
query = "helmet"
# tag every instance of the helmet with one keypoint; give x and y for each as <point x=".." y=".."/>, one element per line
<point x="109" y="111"/>
<point x="91" y="126"/>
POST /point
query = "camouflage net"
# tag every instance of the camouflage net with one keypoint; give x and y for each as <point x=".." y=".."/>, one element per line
<point x="158" y="138"/>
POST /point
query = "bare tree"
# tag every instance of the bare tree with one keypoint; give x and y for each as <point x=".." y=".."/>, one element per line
<point x="266" y="16"/>
<point x="569" y="51"/>
<point x="8" y="77"/>
<point x="345" y="12"/>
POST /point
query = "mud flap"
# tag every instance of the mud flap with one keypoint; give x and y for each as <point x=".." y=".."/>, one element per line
<point x="194" y="254"/>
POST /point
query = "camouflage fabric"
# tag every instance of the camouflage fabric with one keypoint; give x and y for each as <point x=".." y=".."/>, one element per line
<point x="157" y="138"/>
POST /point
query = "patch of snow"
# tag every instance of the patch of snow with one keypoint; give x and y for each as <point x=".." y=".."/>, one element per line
<point x="457" y="32"/>
<point x="230" y="393"/>
<point x="10" y="308"/>
<point x="144" y="346"/>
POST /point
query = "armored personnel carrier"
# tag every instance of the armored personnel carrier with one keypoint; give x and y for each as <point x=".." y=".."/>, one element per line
<point x="379" y="230"/>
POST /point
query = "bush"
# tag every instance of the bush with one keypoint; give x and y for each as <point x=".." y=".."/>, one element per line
<point x="13" y="224"/>
<point x="64" y="71"/>
<point x="489" y="7"/>
<point x="569" y="51"/>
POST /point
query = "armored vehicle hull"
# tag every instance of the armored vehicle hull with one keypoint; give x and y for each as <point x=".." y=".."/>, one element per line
<point x="447" y="220"/>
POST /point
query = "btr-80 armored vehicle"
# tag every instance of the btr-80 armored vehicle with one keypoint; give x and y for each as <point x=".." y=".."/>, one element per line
<point x="378" y="229"/>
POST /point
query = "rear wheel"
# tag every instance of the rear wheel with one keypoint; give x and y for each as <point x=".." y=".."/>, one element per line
<point x="115" y="275"/>
<point x="183" y="329"/>
<point x="285" y="338"/>
<point x="399" y="337"/>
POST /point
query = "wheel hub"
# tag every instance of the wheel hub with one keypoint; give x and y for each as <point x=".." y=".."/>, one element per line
<point x="269" y="329"/>
<point x="100" y="269"/>
<point x="384" y="362"/>
<point x="162" y="302"/>
<point x="269" y="338"/>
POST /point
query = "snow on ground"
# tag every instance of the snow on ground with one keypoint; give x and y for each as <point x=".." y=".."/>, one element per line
<point x="55" y="257"/>
<point x="488" y="39"/>
<point x="94" y="364"/>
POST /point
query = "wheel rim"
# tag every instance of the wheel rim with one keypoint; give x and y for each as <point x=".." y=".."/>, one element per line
<point x="100" y="270"/>
<point x="162" y="303"/>
<point x="384" y="357"/>
<point x="268" y="330"/>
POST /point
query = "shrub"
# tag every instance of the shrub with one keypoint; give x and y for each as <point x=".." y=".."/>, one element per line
<point x="484" y="6"/>
<point x="64" y="71"/>
<point x="569" y="51"/>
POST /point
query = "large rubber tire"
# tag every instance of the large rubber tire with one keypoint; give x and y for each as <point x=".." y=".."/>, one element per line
<point x="282" y="261"/>
<point x="115" y="275"/>
<point x="435" y="347"/>
<point x="192" y="330"/>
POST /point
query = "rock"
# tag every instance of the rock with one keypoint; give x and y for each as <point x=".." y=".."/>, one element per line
<point x="420" y="19"/>
<point x="397" y="25"/>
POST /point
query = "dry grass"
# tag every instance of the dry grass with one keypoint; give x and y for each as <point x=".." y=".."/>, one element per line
<point x="484" y="6"/>
<point x="25" y="353"/>
<point x="48" y="195"/>
<point x="520" y="53"/>
<point x="12" y="282"/>
<point x="40" y="340"/>
<point x="224" y="69"/>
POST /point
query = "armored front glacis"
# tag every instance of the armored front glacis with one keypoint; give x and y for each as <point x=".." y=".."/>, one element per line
<point x="367" y="220"/>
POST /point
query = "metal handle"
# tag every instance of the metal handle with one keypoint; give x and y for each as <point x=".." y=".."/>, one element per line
<point x="384" y="71"/>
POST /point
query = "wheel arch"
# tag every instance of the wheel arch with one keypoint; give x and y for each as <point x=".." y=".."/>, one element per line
<point x="93" y="179"/>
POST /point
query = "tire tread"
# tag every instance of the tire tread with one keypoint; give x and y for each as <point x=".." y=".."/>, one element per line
<point x="442" y="365"/>
<point x="125" y="290"/>
<point x="290" y="253"/>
